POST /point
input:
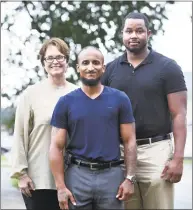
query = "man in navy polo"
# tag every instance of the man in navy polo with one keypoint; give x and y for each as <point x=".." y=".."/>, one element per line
<point x="95" y="117"/>
<point x="157" y="90"/>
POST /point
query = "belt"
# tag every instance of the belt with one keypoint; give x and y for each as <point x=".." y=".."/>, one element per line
<point x="96" y="166"/>
<point x="153" y="139"/>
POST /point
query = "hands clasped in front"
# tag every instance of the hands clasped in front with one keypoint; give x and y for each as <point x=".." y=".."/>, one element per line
<point x="126" y="190"/>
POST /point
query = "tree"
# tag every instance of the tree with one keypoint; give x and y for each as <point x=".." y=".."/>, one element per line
<point x="79" y="23"/>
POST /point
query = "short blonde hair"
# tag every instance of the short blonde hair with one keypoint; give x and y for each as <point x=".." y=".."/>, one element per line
<point x="59" y="43"/>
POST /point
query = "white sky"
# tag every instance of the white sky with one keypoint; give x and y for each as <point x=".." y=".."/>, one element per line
<point x="177" y="40"/>
<point x="176" y="43"/>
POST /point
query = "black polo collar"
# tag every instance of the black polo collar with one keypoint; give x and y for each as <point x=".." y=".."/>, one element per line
<point x="148" y="59"/>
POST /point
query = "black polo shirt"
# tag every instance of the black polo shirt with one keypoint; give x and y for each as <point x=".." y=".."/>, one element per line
<point x="147" y="86"/>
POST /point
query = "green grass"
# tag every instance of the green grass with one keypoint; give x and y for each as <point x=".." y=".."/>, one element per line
<point x="14" y="183"/>
<point x="188" y="160"/>
<point x="3" y="158"/>
<point x="4" y="161"/>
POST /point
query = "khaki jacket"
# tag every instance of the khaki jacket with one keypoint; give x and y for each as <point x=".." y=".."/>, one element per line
<point x="32" y="132"/>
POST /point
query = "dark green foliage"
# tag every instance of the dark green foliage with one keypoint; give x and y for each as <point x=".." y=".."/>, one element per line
<point x="81" y="23"/>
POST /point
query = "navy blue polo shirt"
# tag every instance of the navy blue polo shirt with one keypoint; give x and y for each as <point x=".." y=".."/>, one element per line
<point x="147" y="86"/>
<point x="93" y="125"/>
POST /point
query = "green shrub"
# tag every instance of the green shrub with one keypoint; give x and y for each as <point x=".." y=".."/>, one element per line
<point x="14" y="183"/>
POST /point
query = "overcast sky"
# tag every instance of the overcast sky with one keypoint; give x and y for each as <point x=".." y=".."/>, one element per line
<point x="177" y="40"/>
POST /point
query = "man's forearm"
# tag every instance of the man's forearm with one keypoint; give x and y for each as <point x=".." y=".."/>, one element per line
<point x="57" y="167"/>
<point x="180" y="132"/>
<point x="130" y="156"/>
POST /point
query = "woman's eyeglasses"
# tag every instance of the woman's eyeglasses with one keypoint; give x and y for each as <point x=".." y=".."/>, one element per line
<point x="59" y="58"/>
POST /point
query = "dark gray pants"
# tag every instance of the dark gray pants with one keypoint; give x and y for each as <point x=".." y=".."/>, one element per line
<point x="94" y="189"/>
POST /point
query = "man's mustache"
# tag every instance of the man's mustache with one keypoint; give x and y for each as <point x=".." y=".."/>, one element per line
<point x="91" y="72"/>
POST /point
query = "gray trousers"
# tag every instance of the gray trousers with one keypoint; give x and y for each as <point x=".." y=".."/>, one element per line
<point x="94" y="189"/>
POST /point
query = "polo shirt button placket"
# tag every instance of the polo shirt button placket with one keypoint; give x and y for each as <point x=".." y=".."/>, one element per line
<point x="131" y="66"/>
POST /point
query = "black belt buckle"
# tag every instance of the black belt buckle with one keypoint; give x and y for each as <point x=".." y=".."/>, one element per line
<point x="92" y="166"/>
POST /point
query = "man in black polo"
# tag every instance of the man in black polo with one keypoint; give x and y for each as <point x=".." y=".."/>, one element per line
<point x="157" y="90"/>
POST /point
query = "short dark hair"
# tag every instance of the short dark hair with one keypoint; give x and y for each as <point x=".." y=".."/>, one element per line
<point x="136" y="15"/>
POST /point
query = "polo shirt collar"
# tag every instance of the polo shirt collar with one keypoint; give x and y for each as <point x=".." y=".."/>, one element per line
<point x="147" y="60"/>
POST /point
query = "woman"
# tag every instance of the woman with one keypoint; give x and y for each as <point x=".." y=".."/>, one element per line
<point x="32" y="133"/>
